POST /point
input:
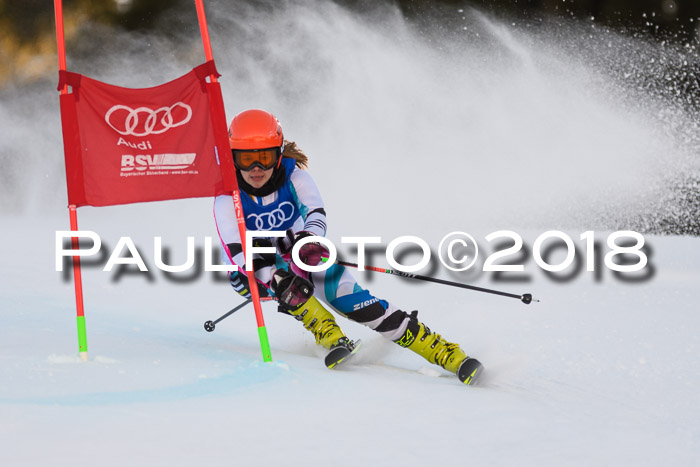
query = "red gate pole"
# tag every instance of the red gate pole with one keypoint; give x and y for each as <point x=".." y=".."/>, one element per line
<point x="72" y="210"/>
<point x="252" y="282"/>
<point x="204" y="29"/>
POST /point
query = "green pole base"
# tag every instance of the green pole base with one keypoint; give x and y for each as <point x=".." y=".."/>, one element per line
<point x="82" y="336"/>
<point x="264" y="344"/>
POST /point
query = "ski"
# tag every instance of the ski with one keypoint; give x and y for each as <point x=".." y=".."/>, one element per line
<point x="341" y="352"/>
<point x="469" y="371"/>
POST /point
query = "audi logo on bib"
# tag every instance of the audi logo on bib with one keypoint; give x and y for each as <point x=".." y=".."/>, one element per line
<point x="273" y="219"/>
<point x="143" y="121"/>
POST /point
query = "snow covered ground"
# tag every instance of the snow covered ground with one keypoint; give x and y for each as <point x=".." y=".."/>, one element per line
<point x="597" y="373"/>
<point x="408" y="133"/>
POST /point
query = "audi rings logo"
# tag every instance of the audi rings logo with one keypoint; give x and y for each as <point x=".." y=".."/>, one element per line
<point x="275" y="218"/>
<point x="143" y="121"/>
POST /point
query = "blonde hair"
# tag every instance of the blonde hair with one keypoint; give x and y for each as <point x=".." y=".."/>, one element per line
<point x="293" y="152"/>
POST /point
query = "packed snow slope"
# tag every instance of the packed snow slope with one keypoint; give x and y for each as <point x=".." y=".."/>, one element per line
<point x="466" y="124"/>
<point x="597" y="373"/>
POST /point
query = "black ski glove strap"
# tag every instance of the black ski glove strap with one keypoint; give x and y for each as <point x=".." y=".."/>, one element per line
<point x="291" y="290"/>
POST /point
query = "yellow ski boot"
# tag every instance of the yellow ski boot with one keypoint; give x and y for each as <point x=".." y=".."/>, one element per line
<point x="320" y="322"/>
<point x="434" y="348"/>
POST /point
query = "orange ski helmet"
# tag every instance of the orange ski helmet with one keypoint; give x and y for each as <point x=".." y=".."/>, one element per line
<point x="255" y="129"/>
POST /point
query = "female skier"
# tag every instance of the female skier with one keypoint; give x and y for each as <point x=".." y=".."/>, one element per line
<point x="278" y="194"/>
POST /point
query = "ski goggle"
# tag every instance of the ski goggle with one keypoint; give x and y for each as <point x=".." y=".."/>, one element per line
<point x="247" y="159"/>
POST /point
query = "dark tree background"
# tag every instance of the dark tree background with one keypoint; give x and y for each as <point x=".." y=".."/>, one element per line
<point x="27" y="27"/>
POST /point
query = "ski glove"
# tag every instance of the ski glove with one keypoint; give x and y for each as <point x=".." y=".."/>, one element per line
<point x="291" y="290"/>
<point x="311" y="253"/>
<point x="240" y="284"/>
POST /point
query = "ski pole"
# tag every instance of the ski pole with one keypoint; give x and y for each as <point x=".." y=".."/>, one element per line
<point x="525" y="298"/>
<point x="211" y="325"/>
